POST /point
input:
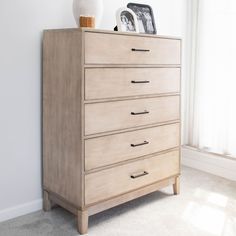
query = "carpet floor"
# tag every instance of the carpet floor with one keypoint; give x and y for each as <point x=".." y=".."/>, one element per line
<point x="205" y="207"/>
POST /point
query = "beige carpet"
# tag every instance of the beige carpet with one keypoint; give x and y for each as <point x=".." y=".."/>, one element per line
<point x="205" y="207"/>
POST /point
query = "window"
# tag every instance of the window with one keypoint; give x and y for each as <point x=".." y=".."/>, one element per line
<point x="212" y="125"/>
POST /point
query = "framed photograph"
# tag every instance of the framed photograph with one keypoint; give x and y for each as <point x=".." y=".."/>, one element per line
<point x="145" y="17"/>
<point x="126" y="20"/>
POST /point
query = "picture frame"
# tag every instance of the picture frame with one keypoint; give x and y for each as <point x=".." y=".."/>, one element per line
<point x="126" y="20"/>
<point x="145" y="17"/>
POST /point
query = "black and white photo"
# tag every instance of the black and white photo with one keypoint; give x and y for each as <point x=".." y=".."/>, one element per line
<point x="127" y="20"/>
<point x="145" y="17"/>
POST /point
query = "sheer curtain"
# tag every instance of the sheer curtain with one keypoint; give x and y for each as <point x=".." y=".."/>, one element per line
<point x="213" y="117"/>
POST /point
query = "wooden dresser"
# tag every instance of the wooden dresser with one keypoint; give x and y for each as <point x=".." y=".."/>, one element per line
<point x="111" y="118"/>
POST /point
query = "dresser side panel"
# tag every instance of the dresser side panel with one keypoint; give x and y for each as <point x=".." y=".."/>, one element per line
<point x="62" y="122"/>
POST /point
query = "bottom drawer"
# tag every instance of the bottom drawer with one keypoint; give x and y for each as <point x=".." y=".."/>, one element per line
<point x="117" y="180"/>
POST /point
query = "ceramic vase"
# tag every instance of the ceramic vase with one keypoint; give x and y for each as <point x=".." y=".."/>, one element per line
<point x="88" y="8"/>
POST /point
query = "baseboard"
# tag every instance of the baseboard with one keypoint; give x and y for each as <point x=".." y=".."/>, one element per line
<point x="209" y="163"/>
<point x="20" y="210"/>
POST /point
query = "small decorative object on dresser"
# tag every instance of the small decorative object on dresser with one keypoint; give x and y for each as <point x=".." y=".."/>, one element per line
<point x="87" y="21"/>
<point x="145" y="17"/>
<point x="111" y="118"/>
<point x="126" y="20"/>
<point x="88" y="8"/>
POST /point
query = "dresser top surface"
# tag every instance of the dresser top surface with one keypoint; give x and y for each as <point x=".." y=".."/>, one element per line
<point x="113" y="32"/>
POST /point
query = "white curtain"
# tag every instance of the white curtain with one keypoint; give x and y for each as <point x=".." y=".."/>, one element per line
<point x="212" y="124"/>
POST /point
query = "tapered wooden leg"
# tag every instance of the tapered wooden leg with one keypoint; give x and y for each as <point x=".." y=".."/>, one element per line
<point x="176" y="186"/>
<point x="83" y="221"/>
<point x="47" y="204"/>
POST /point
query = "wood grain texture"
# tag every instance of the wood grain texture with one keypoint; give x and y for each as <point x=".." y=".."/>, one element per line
<point x="103" y="31"/>
<point x="176" y="186"/>
<point x="116" y="148"/>
<point x="88" y="129"/>
<point x="117" y="49"/>
<point x="103" y="117"/>
<point x="103" y="83"/>
<point x="82" y="221"/>
<point x="47" y="203"/>
<point x="114" y="181"/>
<point x="62" y="114"/>
<point x="109" y="203"/>
<point x="104" y="205"/>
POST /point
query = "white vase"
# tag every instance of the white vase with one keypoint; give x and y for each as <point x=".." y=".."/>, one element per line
<point x="88" y="8"/>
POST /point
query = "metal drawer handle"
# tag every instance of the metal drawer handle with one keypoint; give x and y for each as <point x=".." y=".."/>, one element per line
<point x="140" y="50"/>
<point x="140" y="82"/>
<point x="139" y="144"/>
<point x="139" y="113"/>
<point x="134" y="176"/>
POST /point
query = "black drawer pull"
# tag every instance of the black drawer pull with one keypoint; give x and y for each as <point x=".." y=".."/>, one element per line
<point x="140" y="82"/>
<point x="139" y="144"/>
<point x="139" y="113"/>
<point x="140" y="50"/>
<point x="134" y="176"/>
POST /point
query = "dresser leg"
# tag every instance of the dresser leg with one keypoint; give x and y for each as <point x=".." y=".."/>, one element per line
<point x="47" y="204"/>
<point x="176" y="186"/>
<point x="82" y="222"/>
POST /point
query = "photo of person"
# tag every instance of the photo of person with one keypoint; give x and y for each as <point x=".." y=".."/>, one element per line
<point x="140" y="22"/>
<point x="145" y="17"/>
<point x="149" y="25"/>
<point x="127" y="21"/>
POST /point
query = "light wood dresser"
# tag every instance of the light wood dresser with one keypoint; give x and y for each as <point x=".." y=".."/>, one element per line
<point x="111" y="118"/>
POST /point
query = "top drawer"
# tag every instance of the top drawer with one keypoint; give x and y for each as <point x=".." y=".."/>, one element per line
<point x="101" y="48"/>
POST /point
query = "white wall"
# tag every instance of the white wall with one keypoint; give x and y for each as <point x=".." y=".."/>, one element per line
<point x="21" y="25"/>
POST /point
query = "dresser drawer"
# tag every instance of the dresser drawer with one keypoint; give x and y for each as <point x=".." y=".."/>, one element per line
<point x="114" y="181"/>
<point x="110" y="116"/>
<point x="130" y="49"/>
<point x="123" y="82"/>
<point x="111" y="149"/>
